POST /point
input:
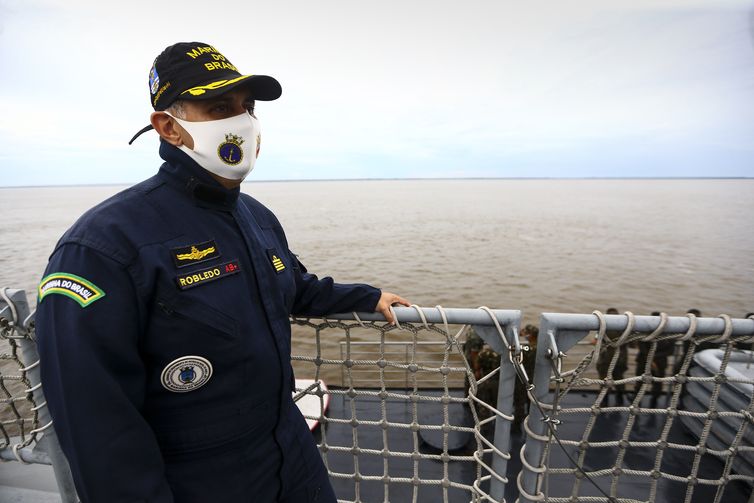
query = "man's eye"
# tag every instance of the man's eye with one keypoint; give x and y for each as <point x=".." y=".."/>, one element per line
<point x="220" y="108"/>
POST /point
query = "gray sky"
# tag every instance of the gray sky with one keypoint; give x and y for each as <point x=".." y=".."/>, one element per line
<point x="394" y="88"/>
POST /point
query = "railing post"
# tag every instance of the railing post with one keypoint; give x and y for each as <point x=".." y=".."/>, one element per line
<point x="49" y="440"/>
<point x="506" y="384"/>
<point x="534" y="424"/>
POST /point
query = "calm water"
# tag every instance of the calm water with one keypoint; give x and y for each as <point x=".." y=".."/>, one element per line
<point x="535" y="245"/>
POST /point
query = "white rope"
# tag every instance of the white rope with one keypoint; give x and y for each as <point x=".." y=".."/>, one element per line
<point x="395" y="317"/>
<point x="415" y="397"/>
<point x="453" y="367"/>
<point x="358" y="320"/>
<point x="657" y="331"/>
<point x="421" y="315"/>
<point x="19" y="412"/>
<point x="692" y="327"/>
<point x="634" y="410"/>
<point x="728" y="329"/>
<point x="444" y="317"/>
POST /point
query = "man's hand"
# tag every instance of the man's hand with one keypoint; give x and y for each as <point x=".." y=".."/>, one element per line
<point x="388" y="299"/>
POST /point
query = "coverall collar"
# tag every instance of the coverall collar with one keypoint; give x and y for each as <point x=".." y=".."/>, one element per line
<point x="184" y="173"/>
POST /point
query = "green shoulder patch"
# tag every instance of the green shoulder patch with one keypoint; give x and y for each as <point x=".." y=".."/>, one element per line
<point x="79" y="289"/>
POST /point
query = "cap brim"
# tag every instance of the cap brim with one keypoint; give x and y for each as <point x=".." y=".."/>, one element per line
<point x="262" y="87"/>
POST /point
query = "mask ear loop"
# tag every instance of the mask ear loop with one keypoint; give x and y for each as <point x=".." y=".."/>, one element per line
<point x="178" y="121"/>
<point x="258" y="140"/>
<point x="140" y="132"/>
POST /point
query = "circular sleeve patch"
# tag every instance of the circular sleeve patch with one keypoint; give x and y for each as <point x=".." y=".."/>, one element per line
<point x="186" y="373"/>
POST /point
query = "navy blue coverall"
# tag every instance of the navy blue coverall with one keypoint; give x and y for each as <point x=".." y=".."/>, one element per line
<point x="165" y="346"/>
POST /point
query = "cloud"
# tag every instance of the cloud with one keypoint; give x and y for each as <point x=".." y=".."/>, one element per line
<point x="396" y="87"/>
<point x="6" y="14"/>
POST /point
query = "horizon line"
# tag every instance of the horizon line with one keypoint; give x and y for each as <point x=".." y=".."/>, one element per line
<point x="388" y="179"/>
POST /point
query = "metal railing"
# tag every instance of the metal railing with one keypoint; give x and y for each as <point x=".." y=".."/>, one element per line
<point x="25" y="423"/>
<point x="561" y="332"/>
<point x="384" y="368"/>
<point x="498" y="328"/>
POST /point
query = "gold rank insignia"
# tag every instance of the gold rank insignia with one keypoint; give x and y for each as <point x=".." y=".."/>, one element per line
<point x="279" y="266"/>
<point x="276" y="262"/>
<point x="194" y="253"/>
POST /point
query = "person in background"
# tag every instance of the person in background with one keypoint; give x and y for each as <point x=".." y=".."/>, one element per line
<point x="641" y="356"/>
<point x="471" y="347"/>
<point x="163" y="317"/>
<point x="681" y="349"/>
<point x="606" y="356"/>
<point x="658" y="365"/>
<point x="489" y="361"/>
<point x="482" y="360"/>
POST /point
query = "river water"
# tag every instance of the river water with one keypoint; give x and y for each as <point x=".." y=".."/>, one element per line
<point x="534" y="245"/>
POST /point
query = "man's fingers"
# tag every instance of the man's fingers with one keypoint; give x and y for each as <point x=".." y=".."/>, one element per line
<point x="401" y="301"/>
<point x="384" y="310"/>
<point x="390" y="299"/>
<point x="389" y="316"/>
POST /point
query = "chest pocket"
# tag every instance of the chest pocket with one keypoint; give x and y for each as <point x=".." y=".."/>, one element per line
<point x="182" y="324"/>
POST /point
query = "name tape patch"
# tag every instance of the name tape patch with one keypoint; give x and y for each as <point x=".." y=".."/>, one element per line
<point x="186" y="373"/>
<point x="195" y="253"/>
<point x="276" y="262"/>
<point x="75" y="287"/>
<point x="196" y="278"/>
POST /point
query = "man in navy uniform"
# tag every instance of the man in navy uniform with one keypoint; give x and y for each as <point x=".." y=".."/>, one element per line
<point x="163" y="314"/>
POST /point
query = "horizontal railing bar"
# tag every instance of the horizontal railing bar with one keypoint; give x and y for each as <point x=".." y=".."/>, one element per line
<point x="406" y="384"/>
<point x="676" y="324"/>
<point x="393" y="343"/>
<point x="374" y="360"/>
<point x="455" y="316"/>
<point x="26" y="454"/>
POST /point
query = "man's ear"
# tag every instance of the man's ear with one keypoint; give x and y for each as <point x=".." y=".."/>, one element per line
<point x="169" y="130"/>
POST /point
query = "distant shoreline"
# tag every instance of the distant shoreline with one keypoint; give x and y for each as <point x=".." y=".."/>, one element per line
<point x="449" y="179"/>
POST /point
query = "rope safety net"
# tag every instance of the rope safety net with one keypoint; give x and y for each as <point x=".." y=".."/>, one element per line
<point x="399" y="425"/>
<point x="411" y="398"/>
<point x="20" y="422"/>
<point x="639" y="435"/>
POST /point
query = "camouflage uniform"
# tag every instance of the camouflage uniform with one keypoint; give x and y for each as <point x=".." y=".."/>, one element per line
<point x="658" y="366"/>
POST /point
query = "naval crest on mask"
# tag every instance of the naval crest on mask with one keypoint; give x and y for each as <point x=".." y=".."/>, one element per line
<point x="226" y="147"/>
<point x="230" y="151"/>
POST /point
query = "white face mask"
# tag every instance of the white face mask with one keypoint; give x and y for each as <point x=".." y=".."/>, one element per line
<point x="226" y="147"/>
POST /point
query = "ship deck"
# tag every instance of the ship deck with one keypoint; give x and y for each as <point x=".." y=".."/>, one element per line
<point x="36" y="484"/>
<point x="647" y="428"/>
